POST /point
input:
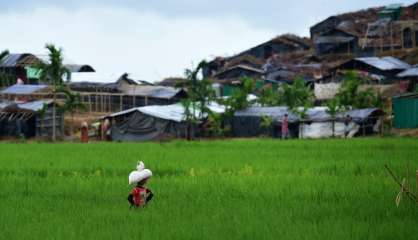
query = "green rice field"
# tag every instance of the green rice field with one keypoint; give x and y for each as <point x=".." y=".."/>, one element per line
<point x="235" y="189"/>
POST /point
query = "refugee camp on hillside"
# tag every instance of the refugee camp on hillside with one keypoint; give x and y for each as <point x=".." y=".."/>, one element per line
<point x="371" y="51"/>
<point x="182" y="119"/>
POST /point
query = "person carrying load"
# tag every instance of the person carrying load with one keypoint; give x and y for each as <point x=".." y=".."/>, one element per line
<point x="140" y="195"/>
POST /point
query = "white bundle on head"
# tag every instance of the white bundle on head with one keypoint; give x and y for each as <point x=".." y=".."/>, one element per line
<point x="140" y="174"/>
<point x="140" y="166"/>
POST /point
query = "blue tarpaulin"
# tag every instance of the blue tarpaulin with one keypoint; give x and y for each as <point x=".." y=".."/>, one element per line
<point x="23" y="89"/>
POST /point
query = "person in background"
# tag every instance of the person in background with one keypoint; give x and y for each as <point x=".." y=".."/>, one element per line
<point x="347" y="122"/>
<point x="285" y="127"/>
<point x="84" y="132"/>
<point x="105" y="134"/>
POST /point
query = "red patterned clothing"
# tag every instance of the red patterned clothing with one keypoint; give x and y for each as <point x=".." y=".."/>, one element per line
<point x="140" y="196"/>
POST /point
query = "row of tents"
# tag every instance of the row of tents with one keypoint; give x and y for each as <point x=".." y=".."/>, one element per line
<point x="155" y="122"/>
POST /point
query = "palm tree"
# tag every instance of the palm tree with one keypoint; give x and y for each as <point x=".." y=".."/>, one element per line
<point x="200" y="94"/>
<point x="298" y="97"/>
<point x="3" y="76"/>
<point x="333" y="109"/>
<point x="3" y="54"/>
<point x="53" y="72"/>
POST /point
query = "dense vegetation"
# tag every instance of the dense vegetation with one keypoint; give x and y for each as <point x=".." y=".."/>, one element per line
<point x="241" y="189"/>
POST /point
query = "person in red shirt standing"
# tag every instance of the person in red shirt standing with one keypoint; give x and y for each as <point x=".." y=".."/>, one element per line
<point x="84" y="132"/>
<point x="140" y="195"/>
<point x="285" y="127"/>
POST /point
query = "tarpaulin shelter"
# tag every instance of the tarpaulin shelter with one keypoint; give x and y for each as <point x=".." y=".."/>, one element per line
<point x="29" y="119"/>
<point x="248" y="122"/>
<point x="388" y="67"/>
<point x="152" y="122"/>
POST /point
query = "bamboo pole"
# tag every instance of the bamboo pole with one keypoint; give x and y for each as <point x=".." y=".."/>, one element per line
<point x="120" y="102"/>
<point x="407" y="176"/>
<point x="391" y="37"/>
<point x="97" y="101"/>
<point x="410" y="194"/>
<point x="110" y="103"/>
<point x="102" y="102"/>
<point x="89" y="103"/>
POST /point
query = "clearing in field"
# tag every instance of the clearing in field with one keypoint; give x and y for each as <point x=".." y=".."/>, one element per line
<point x="241" y="189"/>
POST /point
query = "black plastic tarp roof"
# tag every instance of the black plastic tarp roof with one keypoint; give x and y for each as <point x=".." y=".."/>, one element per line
<point x="318" y="114"/>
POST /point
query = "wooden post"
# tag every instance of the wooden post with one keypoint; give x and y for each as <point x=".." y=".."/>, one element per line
<point x="407" y="176"/>
<point x="90" y="103"/>
<point x="102" y="101"/>
<point x="391" y="36"/>
<point x="381" y="44"/>
<point x="364" y="129"/>
<point x="110" y="103"/>
<point x="97" y="101"/>
<point x="120" y="102"/>
<point x="134" y="96"/>
<point x="402" y="40"/>
<point x="133" y="101"/>
<point x="382" y="125"/>
<point x="106" y="106"/>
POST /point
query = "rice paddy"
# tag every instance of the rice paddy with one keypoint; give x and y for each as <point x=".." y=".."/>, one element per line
<point x="239" y="189"/>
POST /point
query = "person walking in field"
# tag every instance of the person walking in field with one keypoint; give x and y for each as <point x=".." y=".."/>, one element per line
<point x="84" y="132"/>
<point x="347" y="122"/>
<point x="285" y="127"/>
<point x="140" y="195"/>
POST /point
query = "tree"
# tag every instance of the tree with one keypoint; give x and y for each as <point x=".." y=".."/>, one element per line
<point x="3" y="54"/>
<point x="200" y="93"/>
<point x="4" y="78"/>
<point x="53" y="72"/>
<point x="41" y="114"/>
<point x="332" y="109"/>
<point x="267" y="123"/>
<point x="298" y="97"/>
<point x="269" y="97"/>
<point x="72" y="103"/>
<point x="238" y="100"/>
<point x="350" y="96"/>
<point x="190" y="116"/>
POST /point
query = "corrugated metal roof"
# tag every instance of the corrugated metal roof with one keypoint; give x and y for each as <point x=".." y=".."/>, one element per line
<point x="156" y="91"/>
<point x="10" y="60"/>
<point x="23" y="89"/>
<point x="94" y="77"/>
<point x="385" y="63"/>
<point x="412" y="72"/>
<point x="19" y="60"/>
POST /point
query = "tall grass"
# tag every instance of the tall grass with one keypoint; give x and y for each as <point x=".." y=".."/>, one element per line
<point x="241" y="189"/>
